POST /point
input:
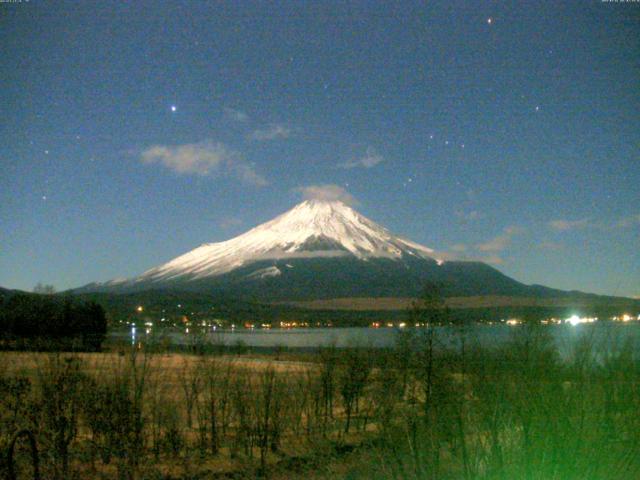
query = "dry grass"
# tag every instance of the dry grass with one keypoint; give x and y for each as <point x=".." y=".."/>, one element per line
<point x="170" y="364"/>
<point x="477" y="414"/>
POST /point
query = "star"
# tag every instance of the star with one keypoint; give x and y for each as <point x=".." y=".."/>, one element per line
<point x="173" y="108"/>
<point x="446" y="142"/>
<point x="489" y="20"/>
<point x="537" y="108"/>
<point x="46" y="152"/>
<point x="44" y="197"/>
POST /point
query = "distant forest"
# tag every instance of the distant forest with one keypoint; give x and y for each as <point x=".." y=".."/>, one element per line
<point x="30" y="321"/>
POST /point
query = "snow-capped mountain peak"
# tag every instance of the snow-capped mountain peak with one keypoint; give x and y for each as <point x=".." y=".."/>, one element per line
<point x="313" y="228"/>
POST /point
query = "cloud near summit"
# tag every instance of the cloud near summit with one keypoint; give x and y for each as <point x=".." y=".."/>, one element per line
<point x="236" y="115"/>
<point x="205" y="158"/>
<point x="369" y="160"/>
<point x="328" y="192"/>
<point x="272" y="132"/>
<point x="565" y="225"/>
<point x="500" y="242"/>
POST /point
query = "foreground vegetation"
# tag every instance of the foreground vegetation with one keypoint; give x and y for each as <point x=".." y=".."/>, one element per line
<point x="38" y="322"/>
<point x="416" y="411"/>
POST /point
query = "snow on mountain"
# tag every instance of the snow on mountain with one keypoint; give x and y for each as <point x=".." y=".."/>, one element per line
<point x="264" y="273"/>
<point x="313" y="228"/>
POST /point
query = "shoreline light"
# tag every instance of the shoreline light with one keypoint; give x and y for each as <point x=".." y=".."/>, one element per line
<point x="576" y="320"/>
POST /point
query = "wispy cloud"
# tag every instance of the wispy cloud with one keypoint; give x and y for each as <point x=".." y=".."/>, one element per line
<point x="513" y="230"/>
<point x="465" y="256"/>
<point x="229" y="222"/>
<point x="236" y="115"/>
<point x="247" y="174"/>
<point x="630" y="221"/>
<point x="496" y="244"/>
<point x="370" y="159"/>
<point x="328" y="192"/>
<point x="547" y="245"/>
<point x="204" y="158"/>
<point x="492" y="259"/>
<point x="500" y="242"/>
<point x="272" y="132"/>
<point x="459" y="247"/>
<point x="468" y="216"/>
<point x="566" y="225"/>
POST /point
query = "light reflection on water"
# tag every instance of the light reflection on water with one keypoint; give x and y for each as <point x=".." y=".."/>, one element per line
<point x="602" y="334"/>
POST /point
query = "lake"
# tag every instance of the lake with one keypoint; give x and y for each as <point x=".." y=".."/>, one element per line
<point x="609" y="334"/>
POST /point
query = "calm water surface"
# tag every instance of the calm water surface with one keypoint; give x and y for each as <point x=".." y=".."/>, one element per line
<point x="607" y="335"/>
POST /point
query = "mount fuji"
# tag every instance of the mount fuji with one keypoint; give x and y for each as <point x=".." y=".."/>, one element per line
<point x="319" y="250"/>
<point x="312" y="229"/>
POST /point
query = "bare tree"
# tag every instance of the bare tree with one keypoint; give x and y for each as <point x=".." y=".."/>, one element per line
<point x="60" y="384"/>
<point x="353" y="379"/>
<point x="191" y="383"/>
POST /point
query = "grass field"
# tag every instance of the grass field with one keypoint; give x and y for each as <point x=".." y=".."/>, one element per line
<point x="414" y="411"/>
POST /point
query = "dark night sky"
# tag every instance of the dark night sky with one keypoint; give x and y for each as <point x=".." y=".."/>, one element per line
<point x="503" y="131"/>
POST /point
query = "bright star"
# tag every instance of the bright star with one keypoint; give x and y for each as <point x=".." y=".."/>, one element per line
<point x="489" y="20"/>
<point x="173" y="108"/>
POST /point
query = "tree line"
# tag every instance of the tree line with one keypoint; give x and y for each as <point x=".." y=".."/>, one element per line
<point x="41" y="320"/>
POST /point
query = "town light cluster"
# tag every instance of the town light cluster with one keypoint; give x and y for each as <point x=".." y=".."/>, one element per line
<point x="576" y="320"/>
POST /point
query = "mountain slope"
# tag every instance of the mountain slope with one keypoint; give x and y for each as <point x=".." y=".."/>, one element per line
<point x="319" y="250"/>
<point x="338" y="277"/>
<point x="311" y="229"/>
